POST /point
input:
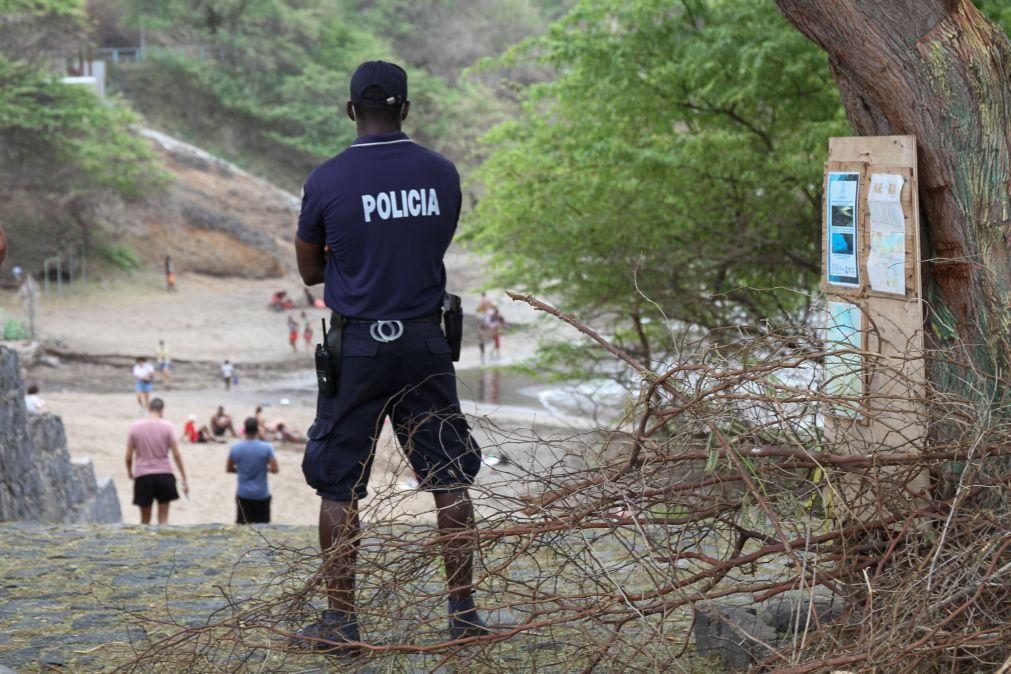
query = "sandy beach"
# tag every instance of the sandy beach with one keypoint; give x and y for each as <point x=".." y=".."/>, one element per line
<point x="100" y="327"/>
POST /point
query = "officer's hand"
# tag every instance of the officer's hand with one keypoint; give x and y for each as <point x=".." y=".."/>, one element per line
<point x="186" y="487"/>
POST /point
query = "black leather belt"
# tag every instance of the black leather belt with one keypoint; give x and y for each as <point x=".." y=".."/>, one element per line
<point x="435" y="317"/>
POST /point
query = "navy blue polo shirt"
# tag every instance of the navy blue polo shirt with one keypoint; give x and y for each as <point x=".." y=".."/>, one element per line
<point x="387" y="207"/>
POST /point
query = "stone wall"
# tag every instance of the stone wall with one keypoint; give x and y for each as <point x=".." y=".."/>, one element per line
<point x="38" y="479"/>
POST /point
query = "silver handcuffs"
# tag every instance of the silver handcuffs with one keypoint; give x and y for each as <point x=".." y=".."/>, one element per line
<point x="386" y="331"/>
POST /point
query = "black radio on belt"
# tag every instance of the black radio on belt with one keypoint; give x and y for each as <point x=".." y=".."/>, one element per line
<point x="452" y="321"/>
<point x="326" y="367"/>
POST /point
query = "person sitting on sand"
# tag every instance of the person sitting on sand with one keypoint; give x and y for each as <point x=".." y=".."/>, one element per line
<point x="280" y="301"/>
<point x="280" y="430"/>
<point x="261" y="423"/>
<point x="222" y="422"/>
<point x="285" y="433"/>
<point x="194" y="434"/>
<point x="33" y="402"/>
<point x="313" y="301"/>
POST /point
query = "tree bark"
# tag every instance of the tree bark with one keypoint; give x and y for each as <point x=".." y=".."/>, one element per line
<point x="938" y="70"/>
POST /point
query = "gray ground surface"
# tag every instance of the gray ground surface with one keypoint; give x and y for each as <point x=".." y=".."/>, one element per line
<point x="103" y="598"/>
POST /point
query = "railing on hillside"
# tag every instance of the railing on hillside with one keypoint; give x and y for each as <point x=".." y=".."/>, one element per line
<point x="64" y="266"/>
<point x="117" y="55"/>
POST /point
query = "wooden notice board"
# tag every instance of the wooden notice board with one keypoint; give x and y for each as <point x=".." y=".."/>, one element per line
<point x="878" y="271"/>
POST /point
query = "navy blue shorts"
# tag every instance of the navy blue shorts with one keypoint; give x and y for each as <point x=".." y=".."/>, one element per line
<point x="411" y="381"/>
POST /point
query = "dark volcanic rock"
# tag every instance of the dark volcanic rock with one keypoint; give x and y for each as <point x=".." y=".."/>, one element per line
<point x="38" y="479"/>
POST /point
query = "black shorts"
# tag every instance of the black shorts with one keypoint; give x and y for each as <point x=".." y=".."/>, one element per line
<point x="410" y="380"/>
<point x="159" y="487"/>
<point x="252" y="510"/>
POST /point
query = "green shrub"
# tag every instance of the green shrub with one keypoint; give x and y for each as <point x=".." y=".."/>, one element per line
<point x="121" y="256"/>
<point x="60" y="138"/>
<point x="14" y="330"/>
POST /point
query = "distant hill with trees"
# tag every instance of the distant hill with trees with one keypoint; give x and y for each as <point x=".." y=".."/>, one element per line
<point x="269" y="90"/>
<point x="266" y="92"/>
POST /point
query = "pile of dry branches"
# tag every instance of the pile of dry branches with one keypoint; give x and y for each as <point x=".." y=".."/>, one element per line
<point x="720" y="483"/>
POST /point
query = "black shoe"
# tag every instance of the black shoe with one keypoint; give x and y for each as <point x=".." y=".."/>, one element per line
<point x="334" y="634"/>
<point x="464" y="620"/>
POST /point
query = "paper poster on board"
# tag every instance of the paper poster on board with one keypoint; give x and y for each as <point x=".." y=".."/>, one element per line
<point x="841" y="228"/>
<point x="886" y="261"/>
<point x="843" y="363"/>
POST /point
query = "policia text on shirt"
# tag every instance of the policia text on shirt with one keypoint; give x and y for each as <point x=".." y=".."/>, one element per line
<point x="375" y="223"/>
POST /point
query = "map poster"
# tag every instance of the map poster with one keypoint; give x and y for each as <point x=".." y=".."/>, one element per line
<point x="843" y="362"/>
<point x="841" y="226"/>
<point x="886" y="262"/>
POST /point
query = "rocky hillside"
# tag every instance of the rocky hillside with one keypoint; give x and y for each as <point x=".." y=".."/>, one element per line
<point x="211" y="216"/>
<point x="214" y="218"/>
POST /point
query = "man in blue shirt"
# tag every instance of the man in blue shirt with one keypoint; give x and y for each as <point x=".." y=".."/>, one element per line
<point x="375" y="223"/>
<point x="251" y="459"/>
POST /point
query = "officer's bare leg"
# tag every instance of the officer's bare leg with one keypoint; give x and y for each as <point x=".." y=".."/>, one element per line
<point x="145" y="514"/>
<point x="338" y="539"/>
<point x="456" y="521"/>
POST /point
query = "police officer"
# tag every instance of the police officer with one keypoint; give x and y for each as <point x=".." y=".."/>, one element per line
<point x="375" y="223"/>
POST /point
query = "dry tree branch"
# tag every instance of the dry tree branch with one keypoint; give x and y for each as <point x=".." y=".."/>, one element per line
<point x="595" y="546"/>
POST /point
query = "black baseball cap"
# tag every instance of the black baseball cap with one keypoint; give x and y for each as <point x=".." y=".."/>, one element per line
<point x="389" y="78"/>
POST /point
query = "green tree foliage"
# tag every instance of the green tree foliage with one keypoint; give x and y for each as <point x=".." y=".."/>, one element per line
<point x="63" y="151"/>
<point x="60" y="138"/>
<point x="446" y="36"/>
<point x="31" y="29"/>
<point x="275" y="77"/>
<point x="272" y="95"/>
<point x="998" y="10"/>
<point x="673" y="163"/>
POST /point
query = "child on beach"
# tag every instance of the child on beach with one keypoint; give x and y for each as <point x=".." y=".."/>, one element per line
<point x="293" y="333"/>
<point x="143" y="374"/>
<point x="227" y="373"/>
<point x="307" y="335"/>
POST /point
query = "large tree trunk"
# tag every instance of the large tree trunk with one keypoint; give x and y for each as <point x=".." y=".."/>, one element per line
<point x="938" y="70"/>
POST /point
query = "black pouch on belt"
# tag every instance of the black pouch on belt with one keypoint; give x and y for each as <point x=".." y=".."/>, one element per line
<point x="328" y="356"/>
<point x="452" y="322"/>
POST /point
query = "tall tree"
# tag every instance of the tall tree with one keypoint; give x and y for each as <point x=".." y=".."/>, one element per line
<point x="670" y="167"/>
<point x="938" y="70"/>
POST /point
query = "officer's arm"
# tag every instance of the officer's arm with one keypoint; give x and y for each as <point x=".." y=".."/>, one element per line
<point x="230" y="466"/>
<point x="311" y="259"/>
<point x="272" y="464"/>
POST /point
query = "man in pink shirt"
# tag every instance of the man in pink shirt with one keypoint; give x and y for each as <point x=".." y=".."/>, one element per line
<point x="147" y="450"/>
